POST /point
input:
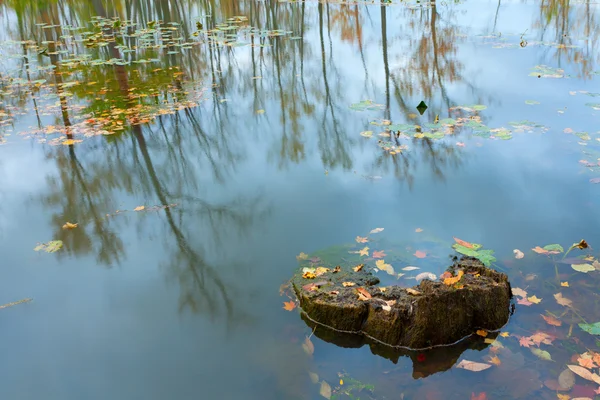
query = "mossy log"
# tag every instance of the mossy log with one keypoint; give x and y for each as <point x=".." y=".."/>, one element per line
<point x="427" y="315"/>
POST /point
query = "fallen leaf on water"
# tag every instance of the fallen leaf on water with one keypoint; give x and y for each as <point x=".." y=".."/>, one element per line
<point x="426" y="275"/>
<point x="541" y="337"/>
<point x="376" y="230"/>
<point x="562" y="396"/>
<point x="364" y="252"/>
<point x="420" y="254"/>
<point x="139" y="208"/>
<point x="518" y="254"/>
<point x="564" y="284"/>
<point x="519" y="292"/>
<point x="366" y="134"/>
<point x="325" y="390"/>
<point x="585" y="268"/>
<point x="525" y="341"/>
<point x="482" y="332"/>
<point x="301" y="256"/>
<point x="289" y="305"/>
<point x="505" y="334"/>
<point x="453" y="280"/>
<point x="551" y="320"/>
<point x="384" y="267"/>
<point x="308" y="346"/>
<point x="592" y="329"/>
<point x="363" y="294"/>
<point x="413" y="291"/>
<point x="460" y="144"/>
<point x="347" y="284"/>
<point x="418" y="230"/>
<point x="409" y="268"/>
<point x="360" y="239"/>
<point x="314" y="378"/>
<point x="358" y="267"/>
<point x="584" y="373"/>
<point x="524" y="302"/>
<point x="378" y="254"/>
<point x="463" y="243"/>
<point x="69" y="225"/>
<point x="309" y="275"/>
<point x="586" y="362"/>
<point x="473" y="366"/>
<point x="261" y="111"/>
<point x="495" y="360"/>
<point x="534" y="299"/>
<point x="566" y="379"/>
<point x="321" y="270"/>
<point x="563" y="301"/>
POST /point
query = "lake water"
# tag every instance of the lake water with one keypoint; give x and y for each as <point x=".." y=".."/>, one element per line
<point x="247" y="149"/>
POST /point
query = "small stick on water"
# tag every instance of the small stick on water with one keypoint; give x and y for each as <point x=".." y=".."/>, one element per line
<point x="14" y="303"/>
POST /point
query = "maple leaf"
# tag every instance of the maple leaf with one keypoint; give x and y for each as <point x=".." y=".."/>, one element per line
<point x="360" y="239"/>
<point x="525" y="341"/>
<point x="289" y="305"/>
<point x="563" y="301"/>
<point x="551" y="320"/>
<point x="596" y="358"/>
<point x="420" y="254"/>
<point x="586" y="362"/>
<point x="534" y="299"/>
<point x="364" y="252"/>
<point x="378" y="254"/>
<point x="463" y="243"/>
<point x="541" y="337"/>
<point x="321" y="270"/>
<point x="524" y="302"/>
<point x="384" y="267"/>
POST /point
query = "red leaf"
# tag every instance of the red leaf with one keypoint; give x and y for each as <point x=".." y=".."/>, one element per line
<point x="378" y="254"/>
<point x="480" y="396"/>
<point x="420" y="254"/>
<point x="463" y="243"/>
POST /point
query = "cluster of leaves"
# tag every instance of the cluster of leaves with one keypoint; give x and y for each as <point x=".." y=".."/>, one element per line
<point x="474" y="250"/>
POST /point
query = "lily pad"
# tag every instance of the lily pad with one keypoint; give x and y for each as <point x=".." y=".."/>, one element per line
<point x="593" y="329"/>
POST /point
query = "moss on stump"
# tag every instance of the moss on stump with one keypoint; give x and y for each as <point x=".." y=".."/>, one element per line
<point x="429" y="314"/>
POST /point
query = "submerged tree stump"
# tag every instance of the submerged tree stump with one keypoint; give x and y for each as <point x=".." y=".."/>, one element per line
<point x="430" y="314"/>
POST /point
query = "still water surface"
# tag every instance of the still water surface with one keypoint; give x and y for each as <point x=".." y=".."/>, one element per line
<point x="182" y="301"/>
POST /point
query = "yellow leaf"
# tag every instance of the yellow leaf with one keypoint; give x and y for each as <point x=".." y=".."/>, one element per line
<point x="325" y="390"/>
<point x="384" y="267"/>
<point x="321" y="270"/>
<point x="419" y="135"/>
<point x="309" y="275"/>
<point x="301" y="256"/>
<point x="341" y="382"/>
<point x="564" y="284"/>
<point x="360" y="239"/>
<point x="69" y="142"/>
<point x="563" y="301"/>
<point x="495" y="360"/>
<point x="482" y="332"/>
<point x="139" y="208"/>
<point x="261" y="111"/>
<point x="346" y="284"/>
<point x="534" y="299"/>
<point x="289" y="305"/>
<point x="504" y="334"/>
<point x="358" y="267"/>
<point x="69" y="225"/>
<point x="364" y="252"/>
<point x="563" y="396"/>
<point x="453" y="280"/>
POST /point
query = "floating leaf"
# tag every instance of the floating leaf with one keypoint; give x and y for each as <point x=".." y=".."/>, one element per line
<point x="585" y="268"/>
<point x="524" y="302"/>
<point x="566" y="379"/>
<point x="378" y="254"/>
<point x="420" y="254"/>
<point x="69" y="225"/>
<point x="593" y="329"/>
<point x="358" y="267"/>
<point x="519" y="292"/>
<point x="551" y="320"/>
<point x="360" y="239"/>
<point x="563" y="301"/>
<point x="321" y="270"/>
<point x="418" y="230"/>
<point x="314" y="378"/>
<point x="463" y="243"/>
<point x="554" y="247"/>
<point x="564" y="284"/>
<point x="377" y="230"/>
<point x="139" y="208"/>
<point x="584" y="373"/>
<point x="534" y="299"/>
<point x="541" y="354"/>
<point x="525" y="341"/>
<point x="518" y="254"/>
<point x="301" y="256"/>
<point x="289" y="305"/>
<point x="51" y="247"/>
<point x="325" y="390"/>
<point x="410" y="268"/>
<point x="473" y="366"/>
<point x="366" y="134"/>
<point x="364" y="252"/>
<point x="384" y="267"/>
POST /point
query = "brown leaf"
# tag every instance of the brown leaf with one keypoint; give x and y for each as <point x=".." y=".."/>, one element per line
<point x="463" y="243"/>
<point x="584" y="373"/>
<point x="581" y="245"/>
<point x="551" y="320"/>
<point x="563" y="301"/>
<point x="358" y="267"/>
<point x="289" y="305"/>
<point x="363" y="294"/>
<point x="413" y="291"/>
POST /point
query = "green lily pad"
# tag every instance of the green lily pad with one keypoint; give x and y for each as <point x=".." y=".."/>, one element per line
<point x="585" y="268"/>
<point x="593" y="329"/>
<point x="554" y="247"/>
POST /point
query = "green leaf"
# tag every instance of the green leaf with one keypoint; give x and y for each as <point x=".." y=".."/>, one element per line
<point x="542" y="354"/>
<point x="593" y="329"/>
<point x="486" y="257"/>
<point x="585" y="268"/>
<point x="554" y="247"/>
<point x="478" y="107"/>
<point x="50" y="247"/>
<point x="465" y="250"/>
<point x="531" y="102"/>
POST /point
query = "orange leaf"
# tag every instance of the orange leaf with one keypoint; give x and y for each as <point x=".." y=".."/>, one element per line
<point x="586" y="362"/>
<point x="420" y="254"/>
<point x="480" y="396"/>
<point x="378" y="254"/>
<point x="289" y="305"/>
<point x="539" y="250"/>
<point x="363" y="294"/>
<point x="446" y="274"/>
<point x="495" y="360"/>
<point x="360" y="239"/>
<point x="482" y="332"/>
<point x="551" y="320"/>
<point x="452" y="281"/>
<point x="463" y="243"/>
<point x="525" y="341"/>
